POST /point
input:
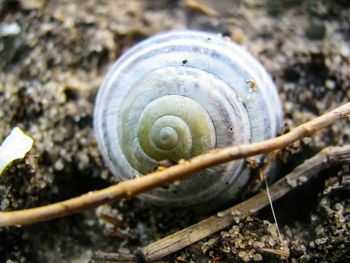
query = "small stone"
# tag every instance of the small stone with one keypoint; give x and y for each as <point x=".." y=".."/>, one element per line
<point x="291" y="182"/>
<point x="31" y="4"/>
<point x="257" y="257"/>
<point x="330" y="84"/>
<point x="302" y="179"/>
<point x="211" y="242"/>
<point x="226" y="249"/>
<point x="237" y="219"/>
<point x="59" y="165"/>
<point x="4" y="204"/>
<point x="272" y="242"/>
<point x="259" y="244"/>
<point x="242" y="254"/>
<point x="220" y="214"/>
<point x="252" y="85"/>
<point x="241" y="245"/>
<point x="344" y="50"/>
<point x="177" y="182"/>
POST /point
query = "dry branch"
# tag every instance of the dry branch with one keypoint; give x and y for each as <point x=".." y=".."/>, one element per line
<point x="199" y="7"/>
<point x="303" y="173"/>
<point x="135" y="186"/>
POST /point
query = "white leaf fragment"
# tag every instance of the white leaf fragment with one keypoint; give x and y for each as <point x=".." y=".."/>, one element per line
<point x="11" y="29"/>
<point x="15" y="146"/>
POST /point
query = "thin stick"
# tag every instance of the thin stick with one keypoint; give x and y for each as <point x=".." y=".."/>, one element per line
<point x="199" y="7"/>
<point x="268" y="159"/>
<point x="328" y="157"/>
<point x="271" y="205"/>
<point x="135" y="186"/>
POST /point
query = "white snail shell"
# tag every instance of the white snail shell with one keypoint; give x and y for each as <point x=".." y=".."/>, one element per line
<point x="180" y="94"/>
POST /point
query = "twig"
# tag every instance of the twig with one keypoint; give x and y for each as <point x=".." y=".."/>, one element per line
<point x="281" y="252"/>
<point x="135" y="186"/>
<point x="199" y="7"/>
<point x="328" y="157"/>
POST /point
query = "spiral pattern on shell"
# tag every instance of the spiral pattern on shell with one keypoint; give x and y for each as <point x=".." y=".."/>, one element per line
<point x="180" y="94"/>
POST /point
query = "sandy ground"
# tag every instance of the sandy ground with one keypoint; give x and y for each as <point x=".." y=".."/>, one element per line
<point x="53" y="56"/>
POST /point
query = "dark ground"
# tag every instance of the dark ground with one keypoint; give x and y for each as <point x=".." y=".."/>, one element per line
<point x="50" y="72"/>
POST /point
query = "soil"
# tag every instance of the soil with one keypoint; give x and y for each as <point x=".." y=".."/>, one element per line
<point x="53" y="56"/>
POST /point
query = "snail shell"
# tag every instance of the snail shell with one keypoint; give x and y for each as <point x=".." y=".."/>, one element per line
<point x="177" y="95"/>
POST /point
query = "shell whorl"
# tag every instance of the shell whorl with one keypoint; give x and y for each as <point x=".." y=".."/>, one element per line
<point x="171" y="133"/>
<point x="177" y="95"/>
